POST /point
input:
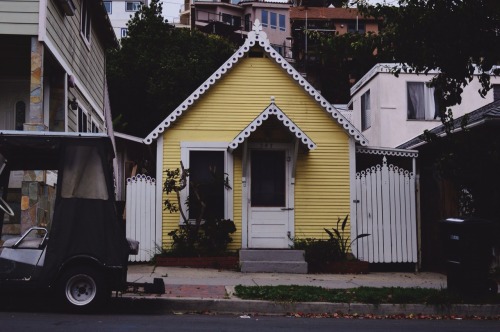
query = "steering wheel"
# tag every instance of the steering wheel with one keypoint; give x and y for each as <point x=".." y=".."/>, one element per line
<point x="5" y="207"/>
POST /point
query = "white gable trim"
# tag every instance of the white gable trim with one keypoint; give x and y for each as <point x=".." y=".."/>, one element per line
<point x="272" y="109"/>
<point x="260" y="37"/>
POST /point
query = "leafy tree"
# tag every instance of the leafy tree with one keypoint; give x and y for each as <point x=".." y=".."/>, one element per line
<point x="157" y="67"/>
<point x="459" y="38"/>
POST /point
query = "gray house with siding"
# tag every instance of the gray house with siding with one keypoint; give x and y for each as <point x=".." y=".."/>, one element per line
<point x="53" y="64"/>
<point x="52" y="78"/>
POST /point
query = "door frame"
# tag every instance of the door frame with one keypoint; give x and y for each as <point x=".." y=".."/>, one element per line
<point x="246" y="178"/>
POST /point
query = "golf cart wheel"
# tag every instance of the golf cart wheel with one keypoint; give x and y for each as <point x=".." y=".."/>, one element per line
<point x="82" y="289"/>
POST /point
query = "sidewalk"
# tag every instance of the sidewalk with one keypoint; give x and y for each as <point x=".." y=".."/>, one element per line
<point x="210" y="290"/>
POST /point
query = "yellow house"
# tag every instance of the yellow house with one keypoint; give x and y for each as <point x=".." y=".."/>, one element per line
<point x="289" y="155"/>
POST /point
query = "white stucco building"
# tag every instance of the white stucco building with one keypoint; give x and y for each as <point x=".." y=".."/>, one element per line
<point x="120" y="12"/>
<point x="391" y="110"/>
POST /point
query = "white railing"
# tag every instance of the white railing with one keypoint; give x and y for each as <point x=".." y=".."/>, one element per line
<point x="386" y="209"/>
<point x="140" y="216"/>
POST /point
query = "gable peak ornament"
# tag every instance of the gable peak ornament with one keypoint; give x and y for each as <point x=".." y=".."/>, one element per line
<point x="257" y="32"/>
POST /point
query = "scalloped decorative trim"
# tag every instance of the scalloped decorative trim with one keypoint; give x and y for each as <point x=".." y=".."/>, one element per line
<point x="141" y="178"/>
<point x="272" y="109"/>
<point x="260" y="37"/>
<point x="389" y="152"/>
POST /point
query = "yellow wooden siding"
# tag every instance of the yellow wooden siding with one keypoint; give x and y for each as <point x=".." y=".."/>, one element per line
<point x="322" y="192"/>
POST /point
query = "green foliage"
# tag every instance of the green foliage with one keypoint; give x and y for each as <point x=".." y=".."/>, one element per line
<point x="157" y="67"/>
<point x="372" y="295"/>
<point x="318" y="251"/>
<point x="205" y="236"/>
<point x="344" y="241"/>
<point x="459" y="38"/>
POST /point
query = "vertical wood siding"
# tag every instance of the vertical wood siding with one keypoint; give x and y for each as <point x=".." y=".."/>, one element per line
<point x="19" y="17"/>
<point x="322" y="192"/>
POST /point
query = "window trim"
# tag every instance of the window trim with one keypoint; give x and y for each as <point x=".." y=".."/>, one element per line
<point x="427" y="92"/>
<point x="110" y="6"/>
<point x="273" y="17"/>
<point x="280" y="18"/>
<point x="186" y="148"/>
<point x="265" y="14"/>
<point x="85" y="23"/>
<point x="133" y="2"/>
<point x="123" y="32"/>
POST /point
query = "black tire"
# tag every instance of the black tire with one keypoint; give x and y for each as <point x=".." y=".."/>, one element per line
<point x="82" y="289"/>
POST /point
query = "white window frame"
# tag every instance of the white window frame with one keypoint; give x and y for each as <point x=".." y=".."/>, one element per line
<point x="123" y="32"/>
<point x="431" y="113"/>
<point x="136" y="6"/>
<point x="186" y="148"/>
<point x="85" y="22"/>
<point x="275" y="16"/>
<point x="366" y="113"/>
<point x="280" y="18"/>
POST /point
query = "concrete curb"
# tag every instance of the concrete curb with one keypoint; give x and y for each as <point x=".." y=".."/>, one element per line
<point x="156" y="305"/>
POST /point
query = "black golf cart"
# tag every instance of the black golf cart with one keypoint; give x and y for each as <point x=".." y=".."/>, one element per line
<point x="57" y="191"/>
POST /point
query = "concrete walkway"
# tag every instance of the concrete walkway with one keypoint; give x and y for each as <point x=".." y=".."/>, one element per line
<point x="210" y="290"/>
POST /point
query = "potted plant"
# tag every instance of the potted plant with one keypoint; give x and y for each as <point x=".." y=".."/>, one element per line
<point x="332" y="255"/>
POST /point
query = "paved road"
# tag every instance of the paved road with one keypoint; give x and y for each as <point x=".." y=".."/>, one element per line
<point x="54" y="322"/>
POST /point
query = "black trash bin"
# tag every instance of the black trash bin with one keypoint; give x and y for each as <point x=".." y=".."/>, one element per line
<point x="468" y="246"/>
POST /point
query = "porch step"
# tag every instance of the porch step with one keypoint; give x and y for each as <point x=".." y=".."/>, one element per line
<point x="272" y="260"/>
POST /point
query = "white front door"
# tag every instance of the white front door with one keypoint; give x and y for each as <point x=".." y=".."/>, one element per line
<point x="270" y="203"/>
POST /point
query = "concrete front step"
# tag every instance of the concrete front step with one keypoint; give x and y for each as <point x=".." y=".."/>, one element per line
<point x="272" y="260"/>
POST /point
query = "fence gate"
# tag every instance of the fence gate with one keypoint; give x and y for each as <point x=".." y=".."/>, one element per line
<point x="140" y="216"/>
<point x="385" y="208"/>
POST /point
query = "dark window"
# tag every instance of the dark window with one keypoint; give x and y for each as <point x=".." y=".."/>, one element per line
<point x="85" y="20"/>
<point x="265" y="18"/>
<point x="248" y="22"/>
<point x="274" y="19"/>
<point x="82" y="121"/>
<point x="268" y="173"/>
<point x="123" y="32"/>
<point x="422" y="104"/>
<point x="132" y="6"/>
<point x="109" y="6"/>
<point x="366" y="121"/>
<point x="20" y="115"/>
<point x="496" y="92"/>
<point x="282" y="22"/>
<point x="206" y="172"/>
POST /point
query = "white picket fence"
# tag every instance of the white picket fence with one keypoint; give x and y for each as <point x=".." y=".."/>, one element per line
<point x="140" y="216"/>
<point x="386" y="209"/>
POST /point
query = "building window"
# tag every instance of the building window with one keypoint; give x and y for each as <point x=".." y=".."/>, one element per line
<point x="282" y="22"/>
<point x="366" y="116"/>
<point x="123" y="32"/>
<point x="20" y="115"/>
<point x="496" y="92"/>
<point x="274" y="19"/>
<point x="206" y="163"/>
<point x="108" y="5"/>
<point x="83" y="121"/>
<point x="265" y="18"/>
<point x="422" y="104"/>
<point x="248" y="22"/>
<point x="132" y="6"/>
<point x="356" y="27"/>
<point x="94" y="127"/>
<point x="85" y="20"/>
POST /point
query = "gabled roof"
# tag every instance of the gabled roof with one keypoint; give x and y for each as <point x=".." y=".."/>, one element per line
<point x="257" y="36"/>
<point x="490" y="112"/>
<point x="272" y="109"/>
